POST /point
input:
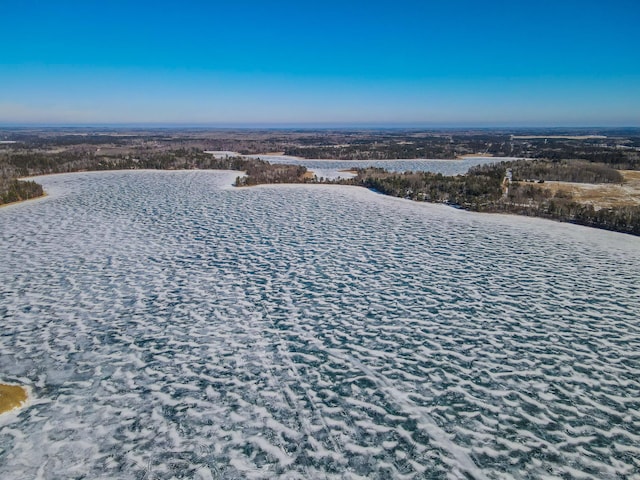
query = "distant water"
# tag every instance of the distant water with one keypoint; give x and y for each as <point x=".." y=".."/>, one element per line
<point x="332" y="169"/>
<point x="173" y="327"/>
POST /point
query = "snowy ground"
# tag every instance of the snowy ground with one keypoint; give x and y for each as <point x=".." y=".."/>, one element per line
<point x="170" y="326"/>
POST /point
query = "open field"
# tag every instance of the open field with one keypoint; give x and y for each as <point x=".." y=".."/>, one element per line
<point x="601" y="195"/>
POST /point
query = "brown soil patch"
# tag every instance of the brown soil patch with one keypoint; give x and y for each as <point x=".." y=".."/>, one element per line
<point x="11" y="397"/>
<point x="602" y="195"/>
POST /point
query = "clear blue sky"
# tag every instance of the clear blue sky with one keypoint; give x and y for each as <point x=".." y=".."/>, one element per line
<point x="312" y="62"/>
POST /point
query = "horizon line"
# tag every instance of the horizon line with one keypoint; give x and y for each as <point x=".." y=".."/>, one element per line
<point x="311" y="125"/>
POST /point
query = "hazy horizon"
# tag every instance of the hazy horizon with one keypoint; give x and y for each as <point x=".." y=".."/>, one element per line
<point x="318" y="126"/>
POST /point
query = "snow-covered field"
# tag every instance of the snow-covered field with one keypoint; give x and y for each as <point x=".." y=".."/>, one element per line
<point x="170" y="326"/>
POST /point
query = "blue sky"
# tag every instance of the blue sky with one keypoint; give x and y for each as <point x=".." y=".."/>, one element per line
<point x="321" y="62"/>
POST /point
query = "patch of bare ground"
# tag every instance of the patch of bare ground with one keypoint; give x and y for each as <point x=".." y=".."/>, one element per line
<point x="601" y="195"/>
<point x="11" y="397"/>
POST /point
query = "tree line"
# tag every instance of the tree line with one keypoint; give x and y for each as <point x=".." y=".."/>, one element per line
<point x="483" y="189"/>
<point x="12" y="190"/>
<point x="29" y="163"/>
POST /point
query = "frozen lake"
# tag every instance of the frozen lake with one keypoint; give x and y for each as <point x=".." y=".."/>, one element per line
<point x="332" y="169"/>
<point x="170" y="326"/>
